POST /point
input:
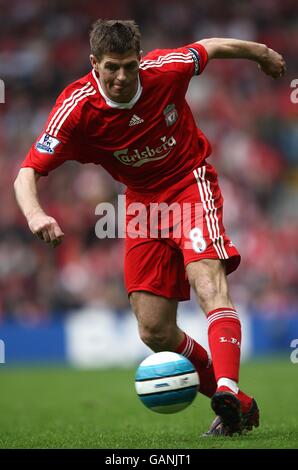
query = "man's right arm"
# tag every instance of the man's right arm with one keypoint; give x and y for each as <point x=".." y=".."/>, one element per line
<point x="40" y="224"/>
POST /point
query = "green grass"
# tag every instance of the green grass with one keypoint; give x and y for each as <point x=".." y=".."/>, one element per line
<point x="67" y="408"/>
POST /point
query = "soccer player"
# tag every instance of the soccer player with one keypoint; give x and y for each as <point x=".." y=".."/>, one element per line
<point x="129" y="114"/>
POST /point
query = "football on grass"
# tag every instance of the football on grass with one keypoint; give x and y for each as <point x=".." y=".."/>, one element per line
<point x="166" y="382"/>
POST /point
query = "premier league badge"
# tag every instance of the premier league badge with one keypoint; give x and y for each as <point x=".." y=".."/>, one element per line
<point x="46" y="144"/>
<point x="171" y="114"/>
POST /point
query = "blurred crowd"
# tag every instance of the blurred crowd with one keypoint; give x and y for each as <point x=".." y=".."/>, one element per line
<point x="248" y="117"/>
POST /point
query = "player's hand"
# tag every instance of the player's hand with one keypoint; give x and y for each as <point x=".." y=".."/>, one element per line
<point x="272" y="64"/>
<point x="46" y="228"/>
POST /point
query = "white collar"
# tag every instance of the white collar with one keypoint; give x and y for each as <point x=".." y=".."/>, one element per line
<point x="114" y="104"/>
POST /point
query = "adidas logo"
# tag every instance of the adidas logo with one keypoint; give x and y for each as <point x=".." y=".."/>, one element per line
<point x="135" y="120"/>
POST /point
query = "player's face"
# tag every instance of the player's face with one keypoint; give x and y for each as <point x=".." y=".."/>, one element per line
<point x="118" y="74"/>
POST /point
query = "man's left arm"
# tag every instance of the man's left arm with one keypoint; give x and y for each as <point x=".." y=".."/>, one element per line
<point x="269" y="61"/>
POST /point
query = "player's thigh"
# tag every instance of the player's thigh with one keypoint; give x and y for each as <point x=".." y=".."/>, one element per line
<point x="208" y="278"/>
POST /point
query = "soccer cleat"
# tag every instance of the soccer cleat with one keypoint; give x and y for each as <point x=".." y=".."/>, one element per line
<point x="252" y="417"/>
<point x="216" y="429"/>
<point x="227" y="406"/>
<point x="233" y="416"/>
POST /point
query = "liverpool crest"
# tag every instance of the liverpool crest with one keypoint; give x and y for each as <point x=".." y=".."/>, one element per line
<point x="171" y="115"/>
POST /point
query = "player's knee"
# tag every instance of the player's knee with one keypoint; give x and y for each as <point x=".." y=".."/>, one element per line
<point x="156" y="320"/>
<point x="155" y="336"/>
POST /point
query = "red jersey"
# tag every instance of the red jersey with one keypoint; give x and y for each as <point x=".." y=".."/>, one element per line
<point x="148" y="143"/>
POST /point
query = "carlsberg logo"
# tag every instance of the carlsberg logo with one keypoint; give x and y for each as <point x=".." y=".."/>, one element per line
<point x="138" y="158"/>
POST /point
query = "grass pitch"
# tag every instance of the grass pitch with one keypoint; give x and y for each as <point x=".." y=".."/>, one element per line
<point x="46" y="408"/>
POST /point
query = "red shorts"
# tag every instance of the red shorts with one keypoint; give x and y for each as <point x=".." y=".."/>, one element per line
<point x="161" y="243"/>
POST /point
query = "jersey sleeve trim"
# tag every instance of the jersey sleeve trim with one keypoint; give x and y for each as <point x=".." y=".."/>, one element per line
<point x="167" y="59"/>
<point x="66" y="107"/>
<point x="197" y="60"/>
<point x="199" y="56"/>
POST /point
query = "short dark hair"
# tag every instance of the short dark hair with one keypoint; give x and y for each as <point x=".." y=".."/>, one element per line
<point x="114" y="36"/>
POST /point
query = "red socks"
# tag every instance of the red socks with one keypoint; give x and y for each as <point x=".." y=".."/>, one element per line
<point x="199" y="357"/>
<point x="224" y="334"/>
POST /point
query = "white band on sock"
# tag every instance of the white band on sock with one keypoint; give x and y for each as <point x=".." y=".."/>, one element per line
<point x="189" y="346"/>
<point x="223" y="381"/>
